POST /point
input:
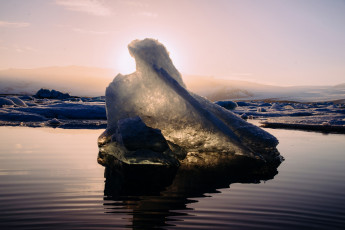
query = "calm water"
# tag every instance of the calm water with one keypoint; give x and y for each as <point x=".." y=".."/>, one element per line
<point x="49" y="179"/>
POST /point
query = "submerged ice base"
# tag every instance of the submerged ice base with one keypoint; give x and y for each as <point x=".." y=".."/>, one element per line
<point x="198" y="132"/>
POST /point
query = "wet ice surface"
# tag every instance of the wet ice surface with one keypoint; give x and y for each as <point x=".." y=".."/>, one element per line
<point x="80" y="112"/>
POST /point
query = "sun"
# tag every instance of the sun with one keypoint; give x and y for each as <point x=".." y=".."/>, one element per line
<point x="124" y="63"/>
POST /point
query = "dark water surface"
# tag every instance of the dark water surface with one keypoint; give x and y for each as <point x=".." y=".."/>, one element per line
<point x="49" y="179"/>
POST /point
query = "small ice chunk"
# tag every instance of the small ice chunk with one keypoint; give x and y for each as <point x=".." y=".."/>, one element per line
<point x="289" y="107"/>
<point x="54" y="122"/>
<point x="27" y="98"/>
<point x="242" y="103"/>
<point x="265" y="104"/>
<point x="17" y="101"/>
<point x="276" y="106"/>
<point x="261" y="110"/>
<point x="13" y="115"/>
<point x="230" y="105"/>
<point x="6" y="102"/>
<point x="326" y="123"/>
<point x="244" y="116"/>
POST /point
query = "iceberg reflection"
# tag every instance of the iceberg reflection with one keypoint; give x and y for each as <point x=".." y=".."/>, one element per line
<point x="154" y="201"/>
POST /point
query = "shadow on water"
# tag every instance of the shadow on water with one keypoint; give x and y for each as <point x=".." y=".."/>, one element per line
<point x="154" y="199"/>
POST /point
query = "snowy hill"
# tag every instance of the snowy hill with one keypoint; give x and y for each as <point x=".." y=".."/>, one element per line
<point x="76" y="80"/>
<point x="89" y="81"/>
<point x="217" y="89"/>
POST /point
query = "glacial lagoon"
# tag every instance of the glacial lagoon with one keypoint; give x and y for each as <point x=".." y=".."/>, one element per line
<point x="50" y="179"/>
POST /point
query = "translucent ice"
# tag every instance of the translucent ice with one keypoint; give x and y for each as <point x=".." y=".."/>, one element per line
<point x="156" y="93"/>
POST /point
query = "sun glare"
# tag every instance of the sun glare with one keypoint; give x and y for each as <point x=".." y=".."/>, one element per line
<point x="124" y="63"/>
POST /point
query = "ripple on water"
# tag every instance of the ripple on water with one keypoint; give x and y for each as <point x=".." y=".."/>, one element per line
<point x="63" y="187"/>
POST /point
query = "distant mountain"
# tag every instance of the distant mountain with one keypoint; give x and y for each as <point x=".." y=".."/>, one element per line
<point x="340" y="86"/>
<point x="76" y="80"/>
<point x="90" y="81"/>
<point x="222" y="89"/>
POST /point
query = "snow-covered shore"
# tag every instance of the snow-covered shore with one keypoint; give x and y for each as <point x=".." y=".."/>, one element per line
<point x="72" y="112"/>
<point x="90" y="113"/>
<point x="316" y="116"/>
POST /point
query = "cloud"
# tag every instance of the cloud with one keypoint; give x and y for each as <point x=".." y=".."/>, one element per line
<point x="241" y="74"/>
<point x="135" y="3"/>
<point x="148" y="14"/>
<point x="21" y="49"/>
<point x="84" y="31"/>
<point x="17" y="48"/>
<point x="93" y="7"/>
<point x="14" y="24"/>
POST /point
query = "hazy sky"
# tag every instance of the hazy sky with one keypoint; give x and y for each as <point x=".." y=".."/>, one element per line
<point x="289" y="42"/>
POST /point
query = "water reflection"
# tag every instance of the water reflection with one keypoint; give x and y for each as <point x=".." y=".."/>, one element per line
<point x="153" y="205"/>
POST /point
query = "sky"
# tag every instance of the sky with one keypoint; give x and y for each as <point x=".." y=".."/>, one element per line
<point x="279" y="42"/>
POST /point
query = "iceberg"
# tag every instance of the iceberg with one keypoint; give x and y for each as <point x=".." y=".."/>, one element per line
<point x="51" y="94"/>
<point x="197" y="132"/>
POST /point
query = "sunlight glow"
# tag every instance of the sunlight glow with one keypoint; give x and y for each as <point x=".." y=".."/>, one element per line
<point x="124" y="63"/>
